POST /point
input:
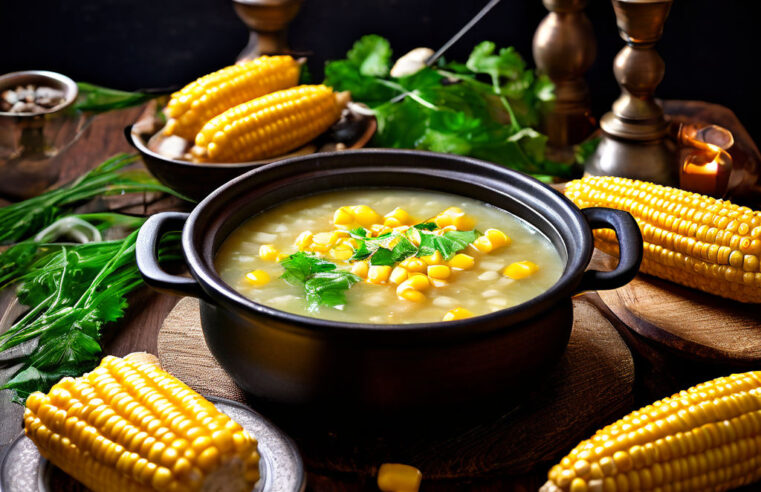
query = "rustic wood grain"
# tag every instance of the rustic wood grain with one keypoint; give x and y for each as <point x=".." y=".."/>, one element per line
<point x="591" y="385"/>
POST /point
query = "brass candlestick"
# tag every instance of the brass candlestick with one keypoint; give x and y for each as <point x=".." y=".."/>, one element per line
<point x="564" y="49"/>
<point x="634" y="143"/>
<point x="267" y="21"/>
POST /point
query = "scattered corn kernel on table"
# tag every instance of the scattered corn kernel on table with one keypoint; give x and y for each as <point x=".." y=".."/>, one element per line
<point x="625" y="351"/>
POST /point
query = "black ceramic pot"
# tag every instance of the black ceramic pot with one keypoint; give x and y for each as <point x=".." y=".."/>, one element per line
<point x="296" y="360"/>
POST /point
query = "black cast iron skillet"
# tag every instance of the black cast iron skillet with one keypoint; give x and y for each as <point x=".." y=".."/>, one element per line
<point x="295" y="361"/>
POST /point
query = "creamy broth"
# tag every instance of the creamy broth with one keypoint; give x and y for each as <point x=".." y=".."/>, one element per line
<point x="479" y="289"/>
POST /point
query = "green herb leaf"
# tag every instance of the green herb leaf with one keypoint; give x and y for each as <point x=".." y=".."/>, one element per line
<point x="322" y="283"/>
<point x="372" y="55"/>
<point x="73" y="290"/>
<point x="426" y="226"/>
<point x="328" y="289"/>
<point x="99" y="99"/>
<point x="23" y="219"/>
<point x="448" y="244"/>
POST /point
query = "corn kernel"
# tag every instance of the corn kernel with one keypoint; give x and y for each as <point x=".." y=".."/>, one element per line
<point x="483" y="244"/>
<point x="398" y="275"/>
<point x="414" y="265"/>
<point x="323" y="238"/>
<point x="411" y="295"/>
<point x="521" y="269"/>
<point x="342" y="252"/>
<point x="378" y="274"/>
<point x="442" y="221"/>
<point x="497" y="238"/>
<point x="434" y="259"/>
<point x="394" y="477"/>
<point x="304" y="240"/>
<point x="281" y="257"/>
<point x="343" y="216"/>
<point x="457" y="313"/>
<point x="365" y="216"/>
<point x="267" y="252"/>
<point x="417" y="282"/>
<point x="400" y="215"/>
<point x="464" y="222"/>
<point x="258" y="277"/>
<point x="462" y="261"/>
<point x="439" y="271"/>
<point x="360" y="269"/>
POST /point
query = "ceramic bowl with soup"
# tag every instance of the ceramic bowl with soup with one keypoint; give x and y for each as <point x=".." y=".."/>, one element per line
<point x="385" y="280"/>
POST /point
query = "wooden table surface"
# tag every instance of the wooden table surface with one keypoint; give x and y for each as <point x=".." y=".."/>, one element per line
<point x="658" y="374"/>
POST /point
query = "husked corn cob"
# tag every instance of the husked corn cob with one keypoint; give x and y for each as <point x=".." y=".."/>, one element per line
<point x="130" y="426"/>
<point x="697" y="241"/>
<point x="198" y="102"/>
<point x="705" y="438"/>
<point x="268" y="126"/>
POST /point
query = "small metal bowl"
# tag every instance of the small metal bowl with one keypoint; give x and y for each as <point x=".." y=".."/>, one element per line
<point x="40" y="78"/>
<point x="29" y="142"/>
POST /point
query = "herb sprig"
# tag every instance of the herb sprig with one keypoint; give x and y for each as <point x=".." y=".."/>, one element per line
<point x="73" y="290"/>
<point x="447" y="108"/>
<point x="379" y="250"/>
<point x="323" y="283"/>
<point x="21" y="220"/>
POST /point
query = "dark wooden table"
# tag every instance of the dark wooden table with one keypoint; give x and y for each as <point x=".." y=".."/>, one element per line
<point x="658" y="373"/>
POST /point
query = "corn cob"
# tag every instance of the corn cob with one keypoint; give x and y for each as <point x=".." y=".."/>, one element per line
<point x="269" y="126"/>
<point x="129" y="426"/>
<point x="697" y="241"/>
<point x="705" y="438"/>
<point x="198" y="102"/>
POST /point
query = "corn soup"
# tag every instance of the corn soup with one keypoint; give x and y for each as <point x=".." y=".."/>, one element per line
<point x="388" y="256"/>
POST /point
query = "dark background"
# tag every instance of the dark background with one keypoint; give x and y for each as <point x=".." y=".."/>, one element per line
<point x="711" y="47"/>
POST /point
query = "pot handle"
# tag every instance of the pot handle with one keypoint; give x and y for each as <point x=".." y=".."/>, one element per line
<point x="629" y="244"/>
<point x="146" y="253"/>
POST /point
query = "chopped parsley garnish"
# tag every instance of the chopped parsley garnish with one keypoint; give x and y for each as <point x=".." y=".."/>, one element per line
<point x="323" y="284"/>
<point x="380" y="251"/>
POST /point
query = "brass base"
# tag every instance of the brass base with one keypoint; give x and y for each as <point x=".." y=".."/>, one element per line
<point x="654" y="160"/>
<point x="267" y="21"/>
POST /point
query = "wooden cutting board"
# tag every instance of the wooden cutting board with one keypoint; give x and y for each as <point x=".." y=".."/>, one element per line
<point x="693" y="324"/>
<point x="591" y="386"/>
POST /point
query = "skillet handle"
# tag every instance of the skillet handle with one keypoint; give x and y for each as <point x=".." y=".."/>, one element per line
<point x="629" y="244"/>
<point x="146" y="253"/>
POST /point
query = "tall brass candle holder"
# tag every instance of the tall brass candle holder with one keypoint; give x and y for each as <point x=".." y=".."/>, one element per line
<point x="634" y="143"/>
<point x="564" y="49"/>
<point x="267" y="21"/>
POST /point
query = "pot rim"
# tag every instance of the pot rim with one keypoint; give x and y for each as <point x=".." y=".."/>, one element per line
<point x="221" y="293"/>
<point x="61" y="81"/>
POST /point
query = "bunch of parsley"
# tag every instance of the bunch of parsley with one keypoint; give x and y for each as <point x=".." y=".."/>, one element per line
<point x="486" y="108"/>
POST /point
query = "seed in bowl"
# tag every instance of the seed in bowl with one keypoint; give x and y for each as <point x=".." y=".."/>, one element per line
<point x="388" y="256"/>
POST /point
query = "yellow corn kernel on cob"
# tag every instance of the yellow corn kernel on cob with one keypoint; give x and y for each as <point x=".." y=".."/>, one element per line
<point x="697" y="241"/>
<point x="130" y="426"/>
<point x="211" y="95"/>
<point x="705" y="438"/>
<point x="269" y="125"/>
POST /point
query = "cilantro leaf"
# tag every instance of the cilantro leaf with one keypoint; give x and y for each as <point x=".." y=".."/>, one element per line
<point x="323" y="284"/>
<point x="372" y="55"/>
<point x="299" y="267"/>
<point x="448" y="244"/>
<point x="426" y="226"/>
<point x="328" y="288"/>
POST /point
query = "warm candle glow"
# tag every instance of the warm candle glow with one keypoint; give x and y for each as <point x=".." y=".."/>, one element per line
<point x="706" y="171"/>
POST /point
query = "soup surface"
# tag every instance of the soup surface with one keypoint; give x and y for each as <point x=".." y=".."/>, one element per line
<point x="388" y="256"/>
